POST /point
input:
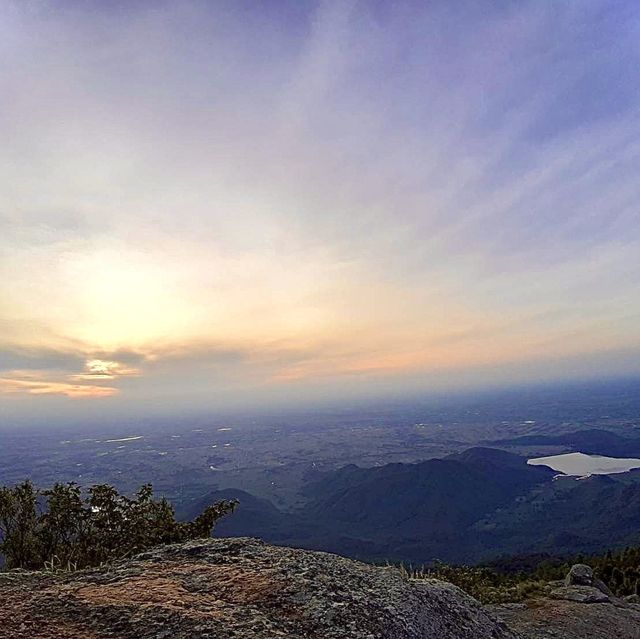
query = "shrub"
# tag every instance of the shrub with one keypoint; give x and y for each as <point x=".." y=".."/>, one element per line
<point x="619" y="570"/>
<point x="62" y="528"/>
<point x="485" y="584"/>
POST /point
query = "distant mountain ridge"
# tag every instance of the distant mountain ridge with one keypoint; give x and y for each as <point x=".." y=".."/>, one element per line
<point x="437" y="497"/>
<point x="592" y="442"/>
<point x="467" y="507"/>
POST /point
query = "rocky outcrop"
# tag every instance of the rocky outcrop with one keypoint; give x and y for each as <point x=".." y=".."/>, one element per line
<point x="581" y="594"/>
<point x="582" y="606"/>
<point x="563" y="619"/>
<point x="238" y="588"/>
<point x="582" y="575"/>
<point x="582" y="586"/>
<point x="245" y="589"/>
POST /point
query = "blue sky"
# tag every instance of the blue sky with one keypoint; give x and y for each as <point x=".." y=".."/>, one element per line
<point x="205" y="202"/>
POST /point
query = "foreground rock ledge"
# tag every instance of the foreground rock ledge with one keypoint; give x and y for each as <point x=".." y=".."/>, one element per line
<point x="238" y="588"/>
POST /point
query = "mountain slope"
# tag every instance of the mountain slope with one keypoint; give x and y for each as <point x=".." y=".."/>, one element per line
<point x="468" y="507"/>
<point x="466" y="485"/>
<point x="570" y="515"/>
<point x="421" y="511"/>
<point x="254" y="517"/>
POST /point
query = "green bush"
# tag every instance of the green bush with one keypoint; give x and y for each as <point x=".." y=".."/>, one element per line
<point x="619" y="570"/>
<point x="60" y="528"/>
<point x="484" y="584"/>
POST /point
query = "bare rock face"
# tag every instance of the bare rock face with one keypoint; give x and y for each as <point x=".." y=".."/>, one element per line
<point x="238" y="588"/>
<point x="544" y="618"/>
<point x="582" y="607"/>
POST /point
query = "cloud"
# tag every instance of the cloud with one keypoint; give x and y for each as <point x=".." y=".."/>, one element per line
<point x="48" y="371"/>
<point x="68" y="359"/>
<point x="43" y="387"/>
<point x="204" y="197"/>
<point x="39" y="358"/>
<point x="105" y="369"/>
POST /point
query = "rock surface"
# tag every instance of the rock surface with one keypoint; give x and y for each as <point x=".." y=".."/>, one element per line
<point x="238" y="588"/>
<point x="564" y="618"/>
<point x="581" y="594"/>
<point x="580" y="607"/>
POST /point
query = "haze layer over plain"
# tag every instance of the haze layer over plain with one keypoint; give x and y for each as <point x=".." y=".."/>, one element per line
<point x="211" y="204"/>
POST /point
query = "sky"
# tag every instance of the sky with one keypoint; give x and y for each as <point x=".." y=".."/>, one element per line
<point x="214" y="204"/>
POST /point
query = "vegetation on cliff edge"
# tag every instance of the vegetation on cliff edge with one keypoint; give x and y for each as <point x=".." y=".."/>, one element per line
<point x="64" y="528"/>
<point x="491" y="585"/>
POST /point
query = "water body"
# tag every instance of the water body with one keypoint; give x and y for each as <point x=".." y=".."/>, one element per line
<point x="581" y="465"/>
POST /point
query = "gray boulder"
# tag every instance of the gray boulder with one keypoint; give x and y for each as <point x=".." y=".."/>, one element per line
<point x="580" y="594"/>
<point x="582" y="575"/>
<point x="579" y="575"/>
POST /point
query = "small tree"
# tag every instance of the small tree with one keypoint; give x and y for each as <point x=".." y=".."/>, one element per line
<point x="18" y="523"/>
<point x="72" y="531"/>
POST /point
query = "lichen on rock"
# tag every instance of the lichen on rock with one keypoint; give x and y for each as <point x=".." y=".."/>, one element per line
<point x="239" y="588"/>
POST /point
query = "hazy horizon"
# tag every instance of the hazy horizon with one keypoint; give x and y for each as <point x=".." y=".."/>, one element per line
<point x="214" y="206"/>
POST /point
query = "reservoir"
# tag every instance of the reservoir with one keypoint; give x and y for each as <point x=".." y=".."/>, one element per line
<point x="581" y="464"/>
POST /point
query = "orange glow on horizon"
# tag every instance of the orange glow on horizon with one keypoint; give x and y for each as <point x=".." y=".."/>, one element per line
<point x="44" y="387"/>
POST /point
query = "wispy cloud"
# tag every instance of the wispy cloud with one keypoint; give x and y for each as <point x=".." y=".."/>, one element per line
<point x="96" y="369"/>
<point x="207" y="198"/>
<point x="48" y="371"/>
<point x="44" y="387"/>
